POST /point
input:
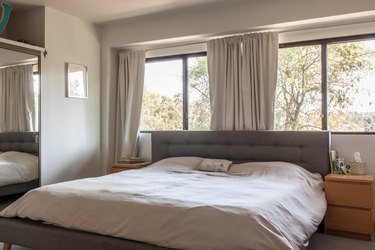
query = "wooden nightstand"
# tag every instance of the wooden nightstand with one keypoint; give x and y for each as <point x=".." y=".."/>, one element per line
<point x="350" y="211"/>
<point x="118" y="167"/>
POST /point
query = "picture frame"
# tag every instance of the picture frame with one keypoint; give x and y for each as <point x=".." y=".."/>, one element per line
<point x="76" y="81"/>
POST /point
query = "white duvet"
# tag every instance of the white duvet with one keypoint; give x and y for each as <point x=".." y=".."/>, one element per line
<point x="272" y="205"/>
<point x="17" y="167"/>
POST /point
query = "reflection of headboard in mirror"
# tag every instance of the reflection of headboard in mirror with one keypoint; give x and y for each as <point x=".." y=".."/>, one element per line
<point x="20" y="141"/>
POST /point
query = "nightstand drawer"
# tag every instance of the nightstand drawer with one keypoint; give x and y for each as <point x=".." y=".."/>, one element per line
<point x="349" y="220"/>
<point x="349" y="194"/>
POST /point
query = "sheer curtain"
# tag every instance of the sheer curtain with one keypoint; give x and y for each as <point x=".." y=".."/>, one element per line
<point x="129" y="102"/>
<point x="243" y="73"/>
<point x="17" y="99"/>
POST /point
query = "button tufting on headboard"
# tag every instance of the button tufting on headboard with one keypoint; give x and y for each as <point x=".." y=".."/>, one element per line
<point x="20" y="141"/>
<point x="309" y="149"/>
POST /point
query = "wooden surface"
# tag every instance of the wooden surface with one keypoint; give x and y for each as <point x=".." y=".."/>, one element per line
<point x="352" y="235"/>
<point x="350" y="205"/>
<point x="118" y="167"/>
<point x="350" y="178"/>
<point x="349" y="194"/>
<point x="7" y="246"/>
<point x="349" y="219"/>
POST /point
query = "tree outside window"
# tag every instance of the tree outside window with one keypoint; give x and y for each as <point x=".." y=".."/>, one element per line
<point x="163" y="96"/>
<point x="350" y="87"/>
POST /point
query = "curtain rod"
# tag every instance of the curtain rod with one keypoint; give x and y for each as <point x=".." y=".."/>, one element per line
<point x="176" y="46"/>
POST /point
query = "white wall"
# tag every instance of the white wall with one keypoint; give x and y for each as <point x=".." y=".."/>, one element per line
<point x="197" y="25"/>
<point x="70" y="128"/>
<point x="346" y="145"/>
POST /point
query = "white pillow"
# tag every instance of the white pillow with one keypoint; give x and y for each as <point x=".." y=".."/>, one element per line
<point x="174" y="163"/>
<point x="281" y="171"/>
<point x="214" y="165"/>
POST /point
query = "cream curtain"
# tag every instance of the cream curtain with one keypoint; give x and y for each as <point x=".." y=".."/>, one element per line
<point x="129" y="101"/>
<point x="242" y="73"/>
<point x="17" y="99"/>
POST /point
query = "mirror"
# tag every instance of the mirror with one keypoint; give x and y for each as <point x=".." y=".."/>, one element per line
<point x="19" y="119"/>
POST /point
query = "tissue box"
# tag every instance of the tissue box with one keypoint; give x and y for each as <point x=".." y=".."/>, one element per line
<point x="357" y="167"/>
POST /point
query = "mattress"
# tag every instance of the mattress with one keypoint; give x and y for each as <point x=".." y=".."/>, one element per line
<point x="269" y="205"/>
<point x="17" y="167"/>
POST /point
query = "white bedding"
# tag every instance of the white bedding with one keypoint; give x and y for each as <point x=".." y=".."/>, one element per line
<point x="17" y="167"/>
<point x="271" y="205"/>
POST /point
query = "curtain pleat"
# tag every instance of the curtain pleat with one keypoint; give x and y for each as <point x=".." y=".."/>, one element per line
<point x="17" y="99"/>
<point x="242" y="74"/>
<point x="129" y="102"/>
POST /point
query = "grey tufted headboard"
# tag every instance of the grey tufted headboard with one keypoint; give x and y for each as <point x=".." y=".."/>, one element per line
<point x="307" y="149"/>
<point x="20" y="141"/>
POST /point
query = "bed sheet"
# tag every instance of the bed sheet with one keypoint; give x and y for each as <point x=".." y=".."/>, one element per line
<point x="272" y="205"/>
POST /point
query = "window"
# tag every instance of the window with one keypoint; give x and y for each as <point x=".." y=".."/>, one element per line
<point x="298" y="92"/>
<point x="175" y="94"/>
<point x="198" y="94"/>
<point x="327" y="84"/>
<point x="351" y="86"/>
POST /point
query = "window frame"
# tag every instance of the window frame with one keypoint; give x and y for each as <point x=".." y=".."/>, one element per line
<point x="185" y="81"/>
<point x="324" y="72"/>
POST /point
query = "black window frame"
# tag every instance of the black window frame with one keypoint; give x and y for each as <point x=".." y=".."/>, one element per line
<point x="185" y="80"/>
<point x="324" y="71"/>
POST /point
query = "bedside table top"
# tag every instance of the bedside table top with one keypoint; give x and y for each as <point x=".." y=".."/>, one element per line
<point x="350" y="178"/>
<point x="119" y="167"/>
<point x="131" y="165"/>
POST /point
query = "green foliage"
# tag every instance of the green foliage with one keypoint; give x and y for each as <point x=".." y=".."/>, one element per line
<point x="161" y="112"/>
<point x="199" y="102"/>
<point x="298" y="94"/>
<point x="298" y="91"/>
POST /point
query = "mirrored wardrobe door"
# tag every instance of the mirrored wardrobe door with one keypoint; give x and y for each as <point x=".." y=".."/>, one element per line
<point x="19" y="120"/>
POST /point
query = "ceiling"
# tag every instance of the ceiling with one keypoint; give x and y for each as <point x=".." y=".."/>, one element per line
<point x="99" y="11"/>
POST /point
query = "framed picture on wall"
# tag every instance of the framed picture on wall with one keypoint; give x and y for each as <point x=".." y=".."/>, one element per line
<point x="76" y="80"/>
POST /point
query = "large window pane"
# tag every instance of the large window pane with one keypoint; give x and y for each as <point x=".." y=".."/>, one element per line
<point x="298" y="92"/>
<point x="351" y="86"/>
<point x="162" y="96"/>
<point x="199" y="100"/>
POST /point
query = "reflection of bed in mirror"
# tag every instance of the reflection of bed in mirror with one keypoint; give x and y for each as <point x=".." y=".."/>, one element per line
<point x="19" y="119"/>
<point x="19" y="162"/>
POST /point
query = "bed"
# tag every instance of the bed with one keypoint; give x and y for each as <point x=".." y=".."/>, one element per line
<point x="19" y="148"/>
<point x="307" y="149"/>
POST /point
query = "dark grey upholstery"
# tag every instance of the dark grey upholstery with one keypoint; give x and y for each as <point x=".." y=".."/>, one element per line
<point x="20" y="141"/>
<point x="47" y="237"/>
<point x="18" y="188"/>
<point x="307" y="149"/>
